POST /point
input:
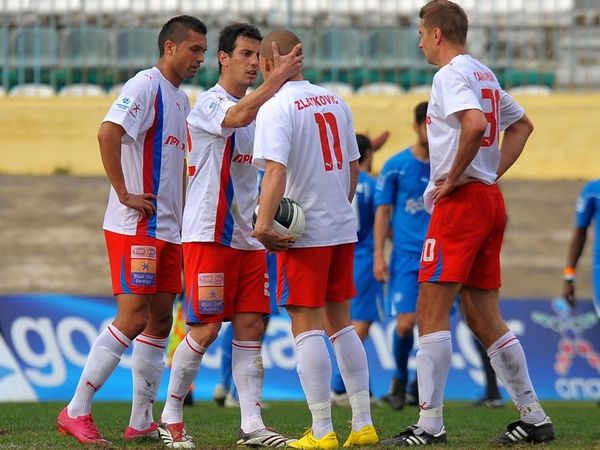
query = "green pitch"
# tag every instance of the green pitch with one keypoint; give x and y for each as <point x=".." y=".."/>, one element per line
<point x="33" y="425"/>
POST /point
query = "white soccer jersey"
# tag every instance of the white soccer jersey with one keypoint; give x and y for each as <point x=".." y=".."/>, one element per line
<point x="152" y="111"/>
<point x="222" y="190"/>
<point x="310" y="130"/>
<point x="463" y="84"/>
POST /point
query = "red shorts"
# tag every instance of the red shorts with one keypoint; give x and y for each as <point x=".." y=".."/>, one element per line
<point x="221" y="281"/>
<point x="465" y="237"/>
<point x="143" y="264"/>
<point x="313" y="275"/>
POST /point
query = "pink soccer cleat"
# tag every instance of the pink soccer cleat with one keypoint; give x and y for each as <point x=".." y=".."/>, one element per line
<point x="81" y="428"/>
<point x="131" y="434"/>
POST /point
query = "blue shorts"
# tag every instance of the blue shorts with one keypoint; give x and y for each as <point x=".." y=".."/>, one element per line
<point x="367" y="306"/>
<point x="596" y="284"/>
<point x="404" y="285"/>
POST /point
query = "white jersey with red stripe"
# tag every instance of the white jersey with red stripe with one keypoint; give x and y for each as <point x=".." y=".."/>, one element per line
<point x="465" y="83"/>
<point x="310" y="130"/>
<point x="152" y="112"/>
<point x="222" y="189"/>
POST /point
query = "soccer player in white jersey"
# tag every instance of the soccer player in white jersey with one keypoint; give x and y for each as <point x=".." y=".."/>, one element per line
<point x="305" y="140"/>
<point x="225" y="267"/>
<point x="461" y="254"/>
<point x="143" y="142"/>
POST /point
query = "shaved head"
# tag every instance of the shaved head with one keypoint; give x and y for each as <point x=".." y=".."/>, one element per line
<point x="285" y="39"/>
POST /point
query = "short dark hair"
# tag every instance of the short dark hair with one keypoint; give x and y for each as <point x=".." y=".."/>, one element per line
<point x="177" y="29"/>
<point x="230" y="33"/>
<point x="448" y="17"/>
<point x="364" y="146"/>
<point x="421" y="112"/>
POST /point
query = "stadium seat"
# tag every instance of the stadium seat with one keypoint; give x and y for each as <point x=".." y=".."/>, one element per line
<point x="86" y="47"/>
<point x="82" y="90"/>
<point x="110" y="7"/>
<point x="341" y="89"/>
<point x="34" y="47"/>
<point x="339" y="48"/>
<point x="381" y="88"/>
<point x="2" y="92"/>
<point x="531" y="89"/>
<point x="393" y="48"/>
<point x="52" y="7"/>
<point x="32" y="90"/>
<point x="137" y="48"/>
<point x="421" y="89"/>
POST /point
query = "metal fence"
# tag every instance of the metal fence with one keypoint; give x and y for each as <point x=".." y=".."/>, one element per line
<point x="554" y="43"/>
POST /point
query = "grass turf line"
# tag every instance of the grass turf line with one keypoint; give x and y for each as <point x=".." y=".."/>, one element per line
<point x="33" y="425"/>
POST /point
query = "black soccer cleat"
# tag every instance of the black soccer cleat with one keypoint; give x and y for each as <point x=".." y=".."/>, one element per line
<point x="519" y="432"/>
<point x="415" y="436"/>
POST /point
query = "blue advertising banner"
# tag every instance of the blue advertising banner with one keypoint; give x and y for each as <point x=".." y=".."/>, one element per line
<point x="44" y="341"/>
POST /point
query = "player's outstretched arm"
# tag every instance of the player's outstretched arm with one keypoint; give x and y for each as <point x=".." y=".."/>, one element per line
<point x="109" y="139"/>
<point x="576" y="246"/>
<point x="286" y="67"/>
<point x="515" y="137"/>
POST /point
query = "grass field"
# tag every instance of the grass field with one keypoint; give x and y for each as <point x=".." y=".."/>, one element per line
<point x="33" y="425"/>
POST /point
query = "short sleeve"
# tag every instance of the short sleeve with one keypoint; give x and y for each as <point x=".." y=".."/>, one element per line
<point x="273" y="135"/>
<point x="134" y="108"/>
<point x="455" y="94"/>
<point x="353" y="151"/>
<point x="387" y="183"/>
<point x="510" y="111"/>
<point x="209" y="112"/>
<point x="585" y="207"/>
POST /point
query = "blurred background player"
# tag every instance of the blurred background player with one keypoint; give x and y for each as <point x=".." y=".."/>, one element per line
<point x="306" y="142"/>
<point x="142" y="228"/>
<point x="367" y="306"/>
<point x="461" y="254"/>
<point x="225" y="267"/>
<point x="587" y="210"/>
<point x="399" y="200"/>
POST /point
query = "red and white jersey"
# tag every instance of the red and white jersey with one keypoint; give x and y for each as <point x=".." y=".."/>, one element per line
<point x="222" y="190"/>
<point x="310" y="130"/>
<point x="465" y="83"/>
<point x="152" y="112"/>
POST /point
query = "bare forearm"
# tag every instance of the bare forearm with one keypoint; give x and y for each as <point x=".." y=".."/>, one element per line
<point x="380" y="229"/>
<point x="109" y="140"/>
<point x="576" y="247"/>
<point x="272" y="190"/>
<point x="515" y="138"/>
<point x="354" y="171"/>
<point x="472" y="130"/>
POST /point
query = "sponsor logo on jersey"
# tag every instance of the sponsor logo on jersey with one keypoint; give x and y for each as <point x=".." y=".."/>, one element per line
<point x="414" y="205"/>
<point x="143" y="265"/>
<point x="123" y="103"/>
<point x="134" y="109"/>
<point x="141" y="251"/>
<point x="242" y="159"/>
<point x="211" y="279"/>
<point x="210" y="293"/>
<point x="172" y="140"/>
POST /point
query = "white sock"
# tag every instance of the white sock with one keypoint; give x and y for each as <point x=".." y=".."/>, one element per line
<point x="248" y="374"/>
<point x="433" y="364"/>
<point x="148" y="364"/>
<point x="352" y="361"/>
<point x="314" y="370"/>
<point x="185" y="366"/>
<point x="508" y="360"/>
<point x="102" y="360"/>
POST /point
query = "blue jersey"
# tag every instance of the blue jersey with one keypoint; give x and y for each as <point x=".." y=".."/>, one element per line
<point x="588" y="210"/>
<point x="401" y="184"/>
<point x="364" y="211"/>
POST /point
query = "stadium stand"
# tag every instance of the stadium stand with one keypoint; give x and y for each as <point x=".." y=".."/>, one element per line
<point x="380" y="88"/>
<point x="341" y="89"/>
<point x="32" y="90"/>
<point x="554" y="43"/>
<point x="82" y="90"/>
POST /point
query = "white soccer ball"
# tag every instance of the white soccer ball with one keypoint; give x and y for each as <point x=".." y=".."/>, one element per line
<point x="289" y="218"/>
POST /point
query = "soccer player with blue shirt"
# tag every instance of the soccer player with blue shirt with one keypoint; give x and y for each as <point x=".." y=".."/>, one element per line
<point x="367" y="306"/>
<point x="399" y="200"/>
<point x="586" y="211"/>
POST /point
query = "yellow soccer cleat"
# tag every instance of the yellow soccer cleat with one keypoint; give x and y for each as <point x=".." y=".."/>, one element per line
<point x="366" y="436"/>
<point x="308" y="441"/>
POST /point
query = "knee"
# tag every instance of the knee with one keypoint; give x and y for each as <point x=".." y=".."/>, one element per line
<point x="205" y="334"/>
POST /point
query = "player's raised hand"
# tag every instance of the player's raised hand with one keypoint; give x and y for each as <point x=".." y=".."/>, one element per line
<point x="143" y="203"/>
<point x="291" y="64"/>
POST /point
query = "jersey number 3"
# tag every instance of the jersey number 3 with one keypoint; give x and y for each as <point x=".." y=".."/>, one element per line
<point x="491" y="116"/>
<point x="323" y="121"/>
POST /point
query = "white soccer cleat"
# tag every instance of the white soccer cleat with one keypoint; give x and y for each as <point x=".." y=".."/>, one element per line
<point x="174" y="435"/>
<point x="264" y="437"/>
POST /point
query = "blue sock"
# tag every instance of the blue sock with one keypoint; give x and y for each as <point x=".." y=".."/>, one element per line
<point x="402" y="347"/>
<point x="226" y="374"/>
